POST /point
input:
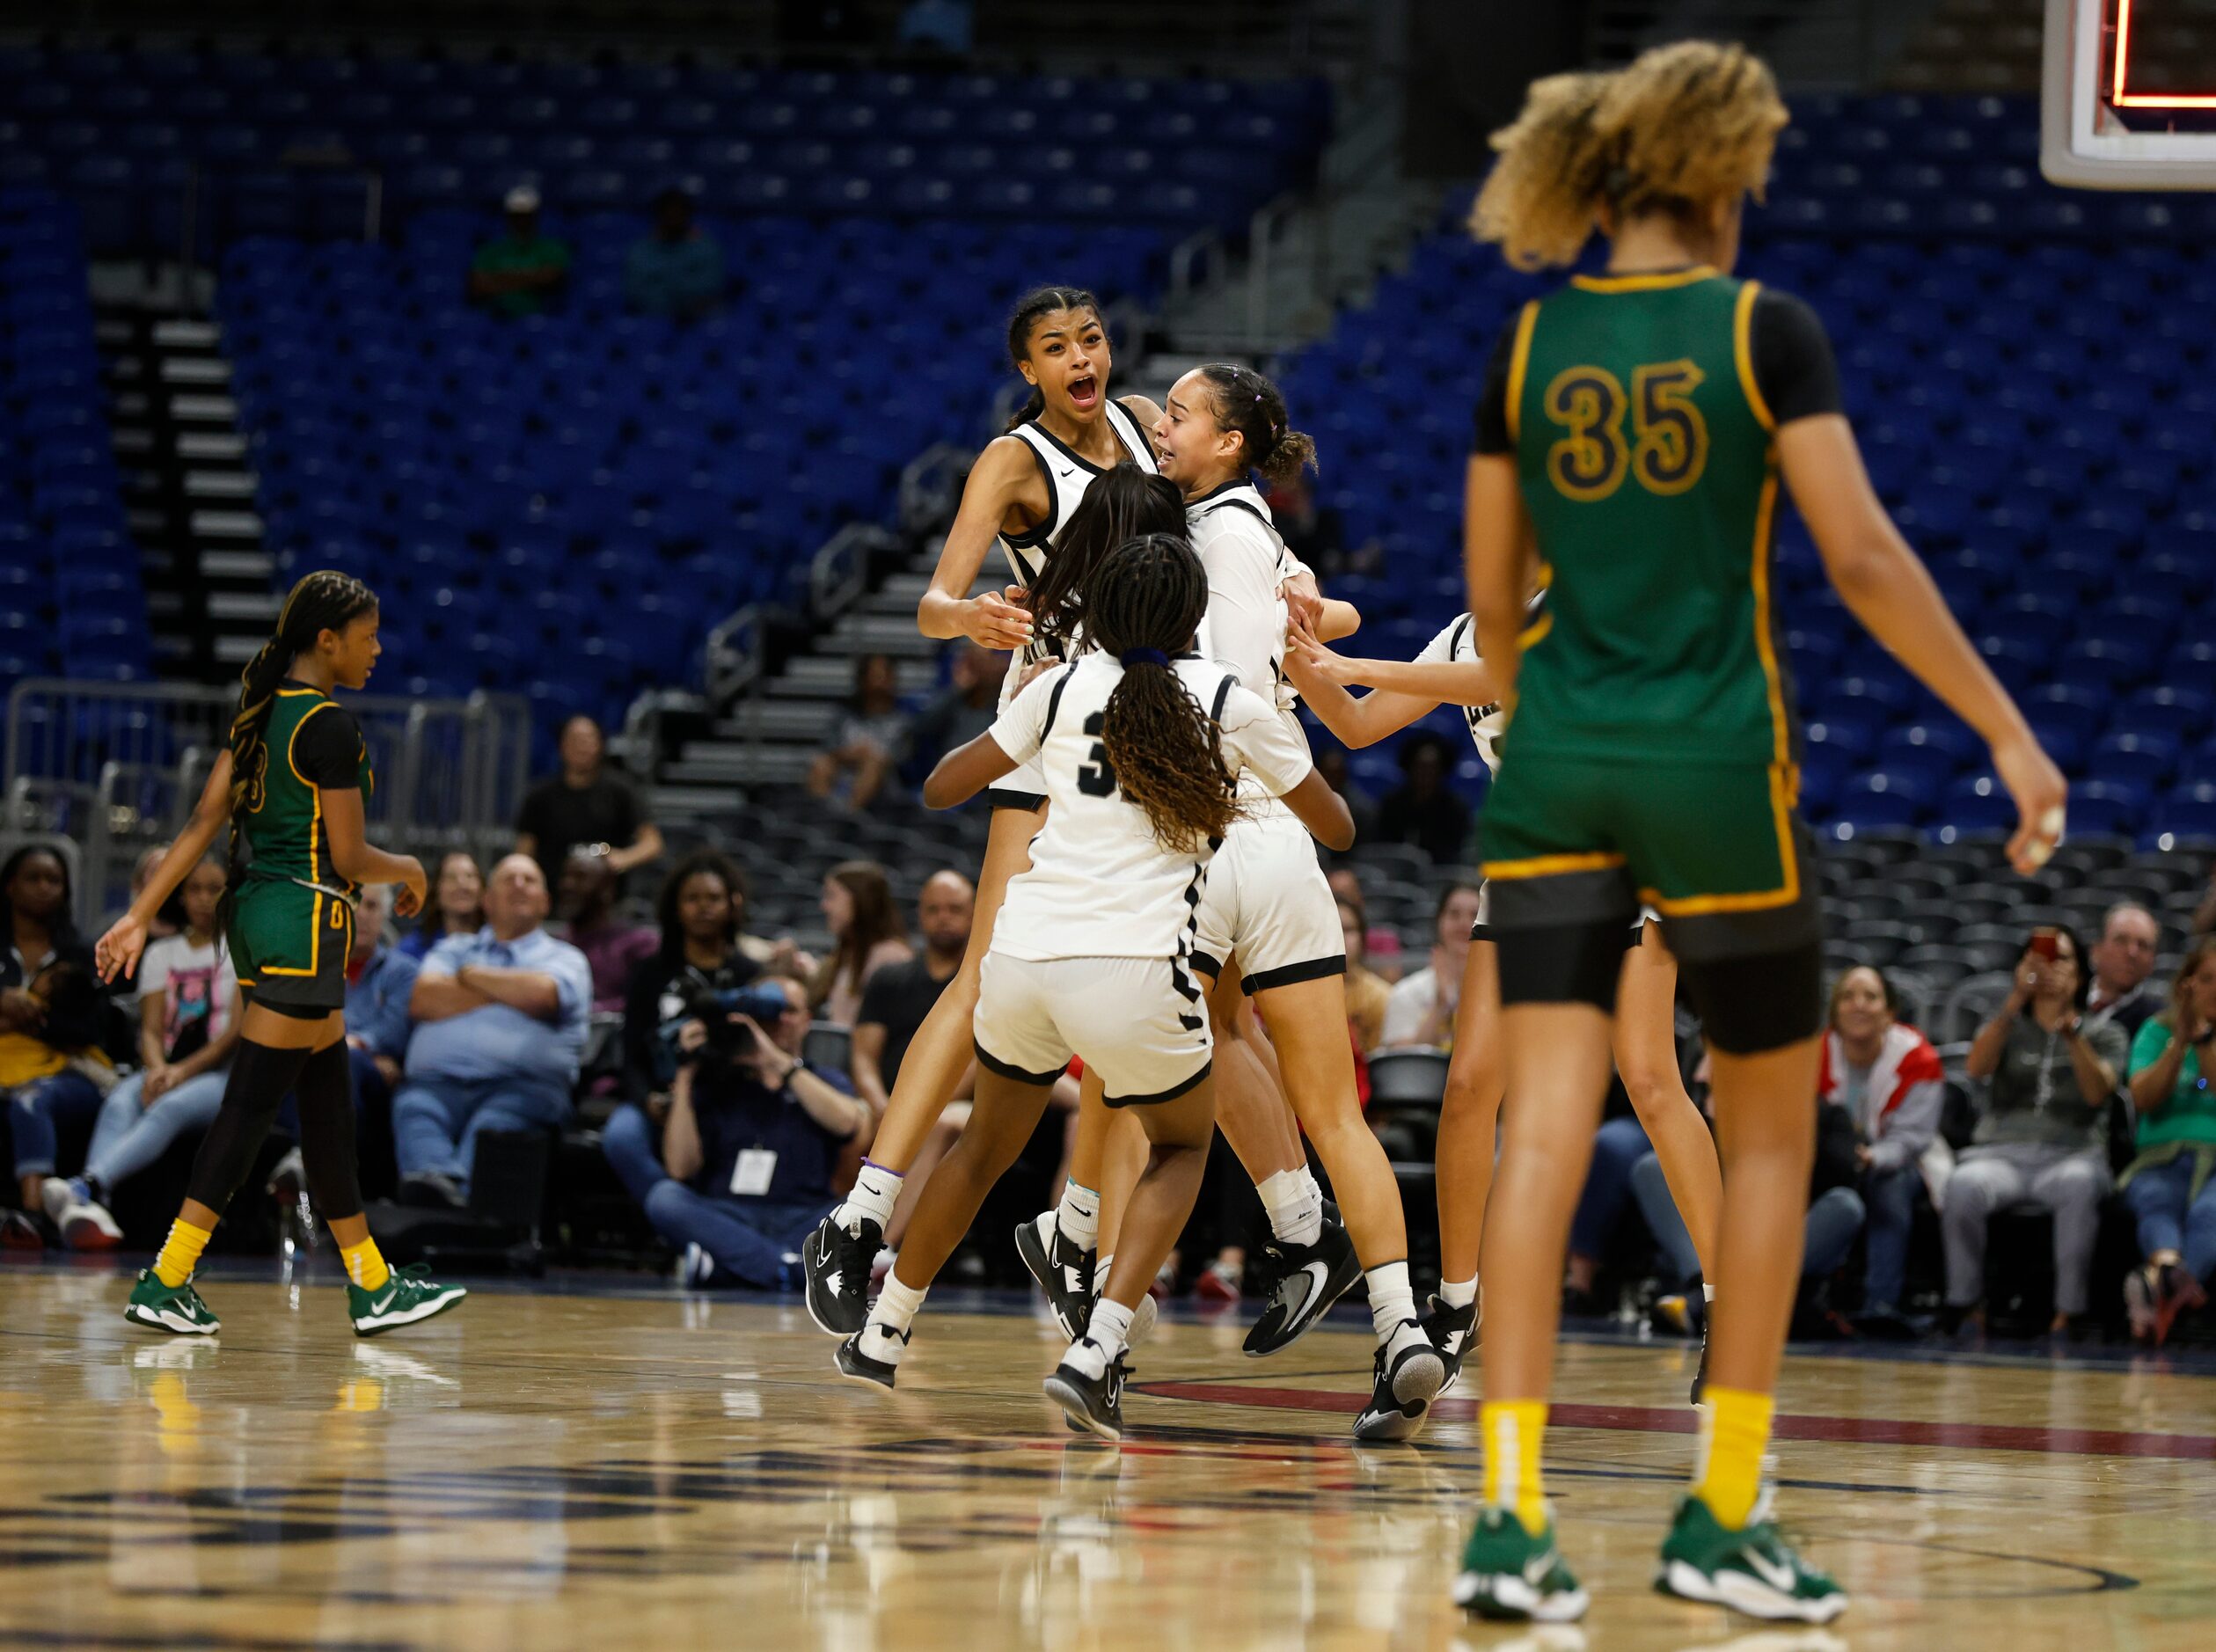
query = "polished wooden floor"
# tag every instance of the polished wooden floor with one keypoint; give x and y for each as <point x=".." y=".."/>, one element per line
<point x="576" y="1467"/>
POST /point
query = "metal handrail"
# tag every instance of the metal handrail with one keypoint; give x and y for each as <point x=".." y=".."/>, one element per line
<point x="839" y="571"/>
<point x="1198" y="258"/>
<point x="930" y="485"/>
<point x="734" y="655"/>
<point x="1262" y="229"/>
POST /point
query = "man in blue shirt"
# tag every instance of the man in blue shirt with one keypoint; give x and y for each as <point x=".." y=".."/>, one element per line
<point x="751" y="1137"/>
<point x="678" y="271"/>
<point x="499" y="1028"/>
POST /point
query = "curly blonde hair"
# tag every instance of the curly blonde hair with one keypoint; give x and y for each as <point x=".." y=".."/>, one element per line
<point x="1682" y="127"/>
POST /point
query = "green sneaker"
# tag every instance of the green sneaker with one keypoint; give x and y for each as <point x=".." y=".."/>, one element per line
<point x="1509" y="1575"/>
<point x="177" y="1309"/>
<point x="410" y="1295"/>
<point x="1753" y="1570"/>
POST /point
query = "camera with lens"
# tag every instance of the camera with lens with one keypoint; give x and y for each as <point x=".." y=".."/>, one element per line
<point x="729" y="1041"/>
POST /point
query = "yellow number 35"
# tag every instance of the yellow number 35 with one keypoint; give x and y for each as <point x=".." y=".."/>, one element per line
<point x="1670" y="445"/>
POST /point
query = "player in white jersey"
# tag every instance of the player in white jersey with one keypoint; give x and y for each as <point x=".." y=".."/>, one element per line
<point x="1139" y="743"/>
<point x="1449" y="672"/>
<point x="1024" y="494"/>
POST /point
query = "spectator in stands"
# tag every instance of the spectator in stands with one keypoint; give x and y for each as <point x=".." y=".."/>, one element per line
<point x="872" y="734"/>
<point x="166" y="922"/>
<point x="752" y="1134"/>
<point x="868" y="935"/>
<point x="2171" y="1185"/>
<point x="1381" y="948"/>
<point x="965" y="709"/>
<point x="2123" y="959"/>
<point x="188" y="1030"/>
<point x="782" y="956"/>
<point x="500" y="1018"/>
<point x="2038" y="1139"/>
<point x="380" y="983"/>
<point x="1421" y="1009"/>
<point x="54" y="1019"/>
<point x="900" y="995"/>
<point x="584" y="804"/>
<point x="1317" y="534"/>
<point x="677" y="270"/>
<point x="2205" y="914"/>
<point x="523" y="271"/>
<point x="1331" y="762"/>
<point x="1367" y="994"/>
<point x="457" y="907"/>
<point x="613" y="945"/>
<point x="701" y="905"/>
<point x="1422" y="811"/>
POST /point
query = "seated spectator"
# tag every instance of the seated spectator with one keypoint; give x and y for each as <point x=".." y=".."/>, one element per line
<point x="1420" y="1008"/>
<point x="523" y="271"/>
<point x="1380" y="947"/>
<point x="965" y="709"/>
<point x="1367" y="996"/>
<point x="456" y="905"/>
<point x="613" y="945"/>
<point x="752" y="1133"/>
<point x="676" y="271"/>
<point x="701" y="909"/>
<point x="166" y="922"/>
<point x="872" y="736"/>
<point x="55" y="1020"/>
<point x="380" y="983"/>
<point x="2171" y="1186"/>
<point x="2038" y="1139"/>
<point x="584" y="804"/>
<point x="500" y="1018"/>
<point x="1423" y="811"/>
<point x="868" y="935"/>
<point x="783" y="956"/>
<point x="188" y="1030"/>
<point x="2123" y="959"/>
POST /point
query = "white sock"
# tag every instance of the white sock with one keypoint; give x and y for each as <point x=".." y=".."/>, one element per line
<point x="1295" y="1204"/>
<point x="885" y="1335"/>
<point x="1101" y="1266"/>
<point x="875" y="1191"/>
<point x="1392" y="1304"/>
<point x="1078" y="1215"/>
<point x="1459" y="1293"/>
<point x="1109" y="1330"/>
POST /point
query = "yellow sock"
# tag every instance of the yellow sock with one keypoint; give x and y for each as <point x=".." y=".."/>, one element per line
<point x="180" y="1253"/>
<point x="1512" y="1430"/>
<point x="1734" y="1435"/>
<point x="365" y="1265"/>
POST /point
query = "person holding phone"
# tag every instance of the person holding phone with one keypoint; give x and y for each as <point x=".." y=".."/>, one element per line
<point x="2049" y="1074"/>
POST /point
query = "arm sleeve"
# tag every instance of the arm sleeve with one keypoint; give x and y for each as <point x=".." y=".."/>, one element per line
<point x="1492" y="400"/>
<point x="1246" y="616"/>
<point x="1793" y="364"/>
<point x="1257" y="739"/>
<point x="327" y="749"/>
<point x="2147" y="1049"/>
<point x="1021" y="729"/>
<point x="1910" y="1127"/>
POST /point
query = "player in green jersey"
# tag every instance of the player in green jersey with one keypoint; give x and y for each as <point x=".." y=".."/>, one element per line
<point x="292" y="787"/>
<point x="1635" y="434"/>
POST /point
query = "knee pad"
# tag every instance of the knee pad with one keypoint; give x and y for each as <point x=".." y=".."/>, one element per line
<point x="1749" y="1006"/>
<point x="1574" y="964"/>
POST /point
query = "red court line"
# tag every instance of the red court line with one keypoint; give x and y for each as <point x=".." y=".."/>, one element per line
<point x="1990" y="1437"/>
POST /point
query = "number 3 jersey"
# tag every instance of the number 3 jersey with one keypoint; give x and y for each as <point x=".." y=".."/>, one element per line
<point x="1100" y="885"/>
<point x="1641" y="411"/>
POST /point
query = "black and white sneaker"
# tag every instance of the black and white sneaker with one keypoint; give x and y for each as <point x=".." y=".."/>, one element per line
<point x="1453" y="1331"/>
<point x="1094" y="1404"/>
<point x="852" y="1363"/>
<point x="1410" y="1372"/>
<point x="837" y="1265"/>
<point x="1064" y="1272"/>
<point x="1304" y="1280"/>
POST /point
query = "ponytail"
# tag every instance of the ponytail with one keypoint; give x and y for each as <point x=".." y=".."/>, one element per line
<point x="1250" y="404"/>
<point x="1143" y="605"/>
<point x="1041" y="301"/>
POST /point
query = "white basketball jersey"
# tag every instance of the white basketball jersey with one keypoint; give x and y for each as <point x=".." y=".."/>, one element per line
<point x="1458" y="643"/>
<point x="1100" y="885"/>
<point x="1247" y="566"/>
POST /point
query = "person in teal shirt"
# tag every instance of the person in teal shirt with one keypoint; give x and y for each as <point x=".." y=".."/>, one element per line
<point x="2171" y="1186"/>
<point x="678" y="271"/>
<point x="520" y="273"/>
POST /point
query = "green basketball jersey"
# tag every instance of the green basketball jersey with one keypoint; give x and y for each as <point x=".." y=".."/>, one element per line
<point x="1645" y="455"/>
<point x="284" y="821"/>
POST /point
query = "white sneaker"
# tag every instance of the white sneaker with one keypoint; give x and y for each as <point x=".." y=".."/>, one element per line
<point x="84" y="1221"/>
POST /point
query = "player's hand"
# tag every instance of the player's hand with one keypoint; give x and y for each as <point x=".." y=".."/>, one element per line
<point x="1036" y="668"/>
<point x="117" y="951"/>
<point x="2040" y="793"/>
<point x="409" y="899"/>
<point x="1304" y="601"/>
<point x="1309" y="651"/>
<point x="994" y="622"/>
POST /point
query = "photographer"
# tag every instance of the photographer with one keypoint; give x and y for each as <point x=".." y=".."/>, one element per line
<point x="752" y="1134"/>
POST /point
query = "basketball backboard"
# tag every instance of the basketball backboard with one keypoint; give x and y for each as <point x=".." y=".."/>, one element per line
<point x="2128" y="97"/>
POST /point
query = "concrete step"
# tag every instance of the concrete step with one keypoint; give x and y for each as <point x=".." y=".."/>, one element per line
<point x="238" y="565"/>
<point x="200" y="408"/>
<point x="195" y="370"/>
<point x="231" y="528"/>
<point x="182" y="333"/>
<point x="814" y="721"/>
<point x="718" y="763"/>
<point x="668" y="804"/>
<point x="210" y="444"/>
<point x="238" y="647"/>
<point x="879" y="633"/>
<point x="257" y="605"/>
<point x="226" y="484"/>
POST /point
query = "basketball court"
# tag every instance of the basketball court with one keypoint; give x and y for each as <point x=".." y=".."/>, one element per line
<point x="575" y="1464"/>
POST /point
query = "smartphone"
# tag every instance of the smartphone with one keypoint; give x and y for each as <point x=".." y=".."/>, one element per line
<point x="2046" y="944"/>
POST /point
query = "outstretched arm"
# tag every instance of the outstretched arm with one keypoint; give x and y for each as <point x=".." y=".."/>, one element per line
<point x="997" y="482"/>
<point x="117" y="951"/>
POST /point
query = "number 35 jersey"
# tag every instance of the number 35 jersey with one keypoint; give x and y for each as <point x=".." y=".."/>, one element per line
<point x="1100" y="885"/>
<point x="1641" y="411"/>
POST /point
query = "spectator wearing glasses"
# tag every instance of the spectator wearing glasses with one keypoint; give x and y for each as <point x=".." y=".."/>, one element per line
<point x="2171" y="1186"/>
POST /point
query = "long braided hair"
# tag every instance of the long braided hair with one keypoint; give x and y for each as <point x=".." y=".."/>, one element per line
<point x="1127" y="503"/>
<point x="1143" y="604"/>
<point x="323" y="601"/>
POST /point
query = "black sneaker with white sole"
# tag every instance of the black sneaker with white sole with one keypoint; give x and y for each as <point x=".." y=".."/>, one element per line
<point x="852" y="1363"/>
<point x="1064" y="1272"/>
<point x="1094" y="1404"/>
<point x="1409" y="1373"/>
<point x="1304" y="1280"/>
<point x="1453" y="1331"/>
<point x="835" y="1266"/>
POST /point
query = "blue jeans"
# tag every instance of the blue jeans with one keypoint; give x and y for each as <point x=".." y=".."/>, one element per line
<point x="132" y="1135"/>
<point x="1827" y="1235"/>
<point x="634" y="1150"/>
<point x="2157" y="1197"/>
<point x="1620" y="1144"/>
<point x="1890" y="1196"/>
<point x="437" y="1121"/>
<point x="749" y="1238"/>
<point x="34" y="1111"/>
